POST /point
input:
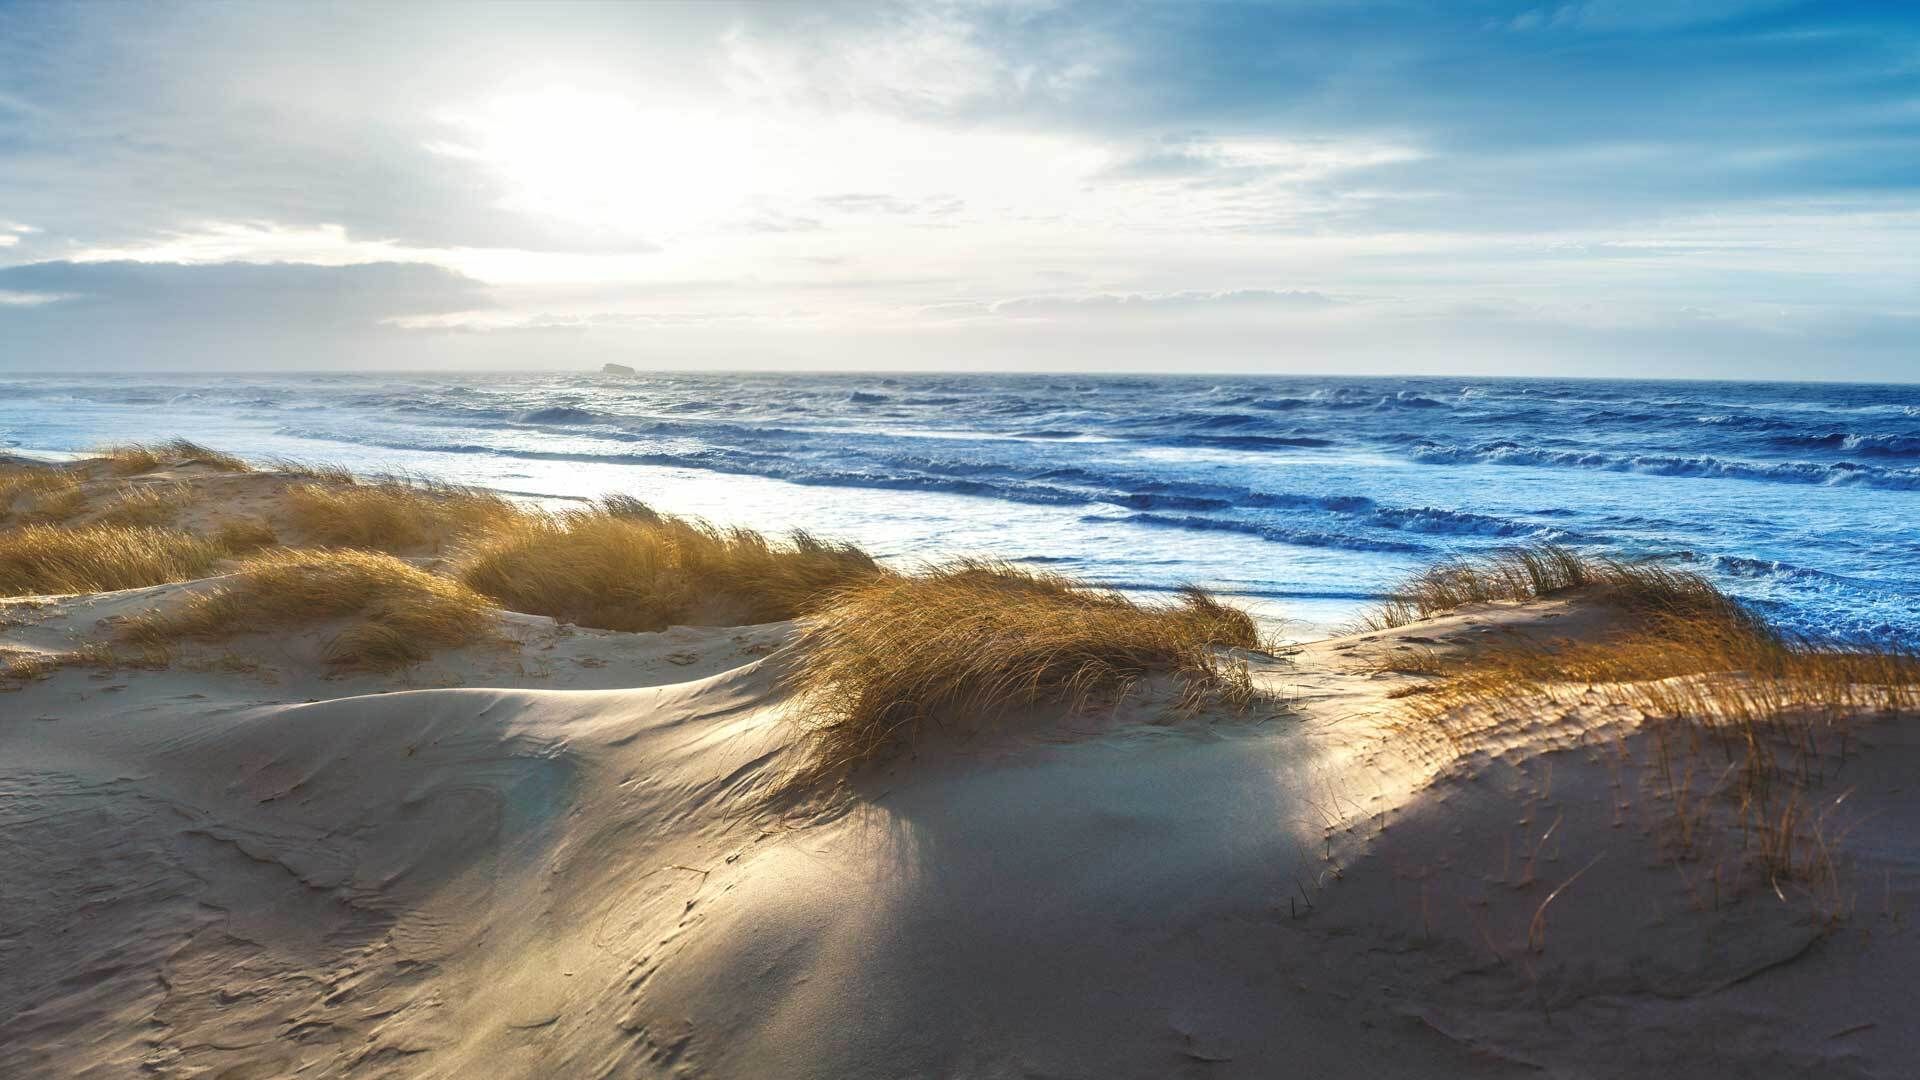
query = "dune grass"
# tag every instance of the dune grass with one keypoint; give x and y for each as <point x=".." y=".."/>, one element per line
<point x="242" y="535"/>
<point x="54" y="506"/>
<point x="318" y="472"/>
<point x="39" y="493"/>
<point x="23" y="665"/>
<point x="394" y="515"/>
<point x="1689" y="652"/>
<point x="620" y="566"/>
<point x="149" y="504"/>
<point x="1723" y="694"/>
<point x="45" y="559"/>
<point x="1728" y="676"/>
<point x="1743" y="721"/>
<point x="1545" y="570"/>
<point x="968" y="644"/>
<point x="402" y="613"/>
<point x="129" y="459"/>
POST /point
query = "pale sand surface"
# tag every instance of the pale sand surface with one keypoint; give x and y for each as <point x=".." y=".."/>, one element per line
<point x="555" y="856"/>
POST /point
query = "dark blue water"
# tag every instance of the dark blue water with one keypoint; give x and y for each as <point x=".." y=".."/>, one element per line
<point x="1308" y="493"/>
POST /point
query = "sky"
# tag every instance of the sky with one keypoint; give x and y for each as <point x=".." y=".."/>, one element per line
<point x="1688" y="188"/>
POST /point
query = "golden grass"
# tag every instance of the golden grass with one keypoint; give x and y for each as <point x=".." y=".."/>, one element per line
<point x="627" y="568"/>
<point x="1721" y="693"/>
<point x="41" y="559"/>
<point x="318" y="473"/>
<point x="24" y="666"/>
<point x="967" y="644"/>
<point x="129" y="459"/>
<point x="242" y="535"/>
<point x="39" y="493"/>
<point x="403" y="613"/>
<point x="21" y="665"/>
<point x="1689" y="651"/>
<point x="55" y="506"/>
<point x="1528" y="573"/>
<point x="394" y="515"/>
<point x="627" y="506"/>
<point x="150" y="504"/>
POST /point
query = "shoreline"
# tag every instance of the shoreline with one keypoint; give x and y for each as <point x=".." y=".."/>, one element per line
<point x="1195" y="479"/>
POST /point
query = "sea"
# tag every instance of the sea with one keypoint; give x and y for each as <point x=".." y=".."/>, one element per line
<point x="1307" y="498"/>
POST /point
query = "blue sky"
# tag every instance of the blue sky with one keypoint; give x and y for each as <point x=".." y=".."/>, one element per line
<point x="1705" y="188"/>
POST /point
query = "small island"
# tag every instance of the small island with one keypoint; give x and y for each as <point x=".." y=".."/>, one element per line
<point x="616" y="369"/>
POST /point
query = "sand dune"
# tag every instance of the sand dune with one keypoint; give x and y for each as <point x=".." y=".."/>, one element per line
<point x="208" y="875"/>
<point x="569" y="852"/>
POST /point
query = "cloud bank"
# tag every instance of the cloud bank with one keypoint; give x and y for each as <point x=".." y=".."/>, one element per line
<point x="1713" y="187"/>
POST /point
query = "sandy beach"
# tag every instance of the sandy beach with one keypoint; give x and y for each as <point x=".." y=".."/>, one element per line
<point x="560" y="850"/>
<point x="983" y="540"/>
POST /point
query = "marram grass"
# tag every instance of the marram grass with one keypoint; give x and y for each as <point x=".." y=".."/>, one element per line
<point x="1545" y="570"/>
<point x="130" y="459"/>
<point x="45" y="559"/>
<point x="882" y="663"/>
<point x="623" y="567"/>
<point x="393" y="516"/>
<point x="400" y="613"/>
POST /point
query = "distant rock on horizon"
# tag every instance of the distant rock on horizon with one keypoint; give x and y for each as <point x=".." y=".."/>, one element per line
<point x="617" y="369"/>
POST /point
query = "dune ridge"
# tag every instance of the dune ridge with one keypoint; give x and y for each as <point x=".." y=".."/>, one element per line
<point x="1447" y="843"/>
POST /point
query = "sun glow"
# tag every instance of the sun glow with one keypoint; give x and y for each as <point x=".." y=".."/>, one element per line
<point x="607" y="162"/>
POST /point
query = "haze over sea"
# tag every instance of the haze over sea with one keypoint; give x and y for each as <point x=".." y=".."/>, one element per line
<point x="1305" y="496"/>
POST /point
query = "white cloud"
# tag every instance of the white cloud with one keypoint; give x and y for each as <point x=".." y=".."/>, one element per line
<point x="928" y="61"/>
<point x="10" y="298"/>
<point x="974" y="176"/>
<point x="1252" y="301"/>
<point x="256" y="242"/>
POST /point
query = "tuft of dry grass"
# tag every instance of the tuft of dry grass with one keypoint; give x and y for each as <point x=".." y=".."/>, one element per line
<point x="1528" y="573"/>
<point x="39" y="493"/>
<point x="394" y="515"/>
<point x="1726" y="677"/>
<point x="320" y="473"/>
<point x="628" y="568"/>
<point x="45" y="559"/>
<point x="149" y="504"/>
<point x="1691" y="652"/>
<point x="21" y="665"/>
<point x="1720" y="692"/>
<point x="130" y="459"/>
<point x="627" y="506"/>
<point x="403" y="613"/>
<point x="967" y="644"/>
<point x="242" y="535"/>
<point x="55" y="506"/>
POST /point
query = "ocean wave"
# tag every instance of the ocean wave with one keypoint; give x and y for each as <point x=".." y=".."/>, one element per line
<point x="1428" y="519"/>
<point x="1277" y="533"/>
<point x="1884" y="445"/>
<point x="1743" y="567"/>
<point x="558" y="414"/>
<point x="1509" y="452"/>
<point x="1744" y="421"/>
<point x="1189" y="421"/>
<point x="1244" y="442"/>
<point x="1348" y="397"/>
